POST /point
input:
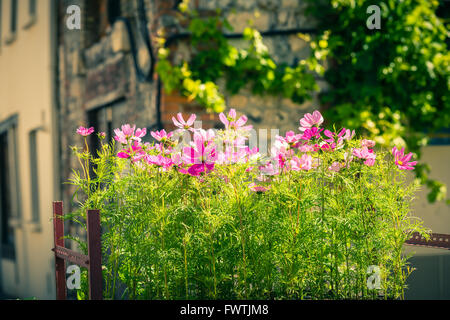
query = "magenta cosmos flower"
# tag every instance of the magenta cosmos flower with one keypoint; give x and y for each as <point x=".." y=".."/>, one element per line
<point x="310" y="120"/>
<point x="311" y="133"/>
<point x="402" y="160"/>
<point x="84" y="131"/>
<point x="202" y="155"/>
<point x="338" y="138"/>
<point x="136" y="148"/>
<point x="180" y="123"/>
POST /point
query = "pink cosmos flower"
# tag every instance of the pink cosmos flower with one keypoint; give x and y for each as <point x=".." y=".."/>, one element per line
<point x="310" y="120"/>
<point x="303" y="163"/>
<point x="348" y="134"/>
<point x="128" y="132"/>
<point x="330" y="136"/>
<point x="161" y="135"/>
<point x="123" y="135"/>
<point x="281" y="152"/>
<point x="402" y="160"/>
<point x="230" y="121"/>
<point x="327" y="146"/>
<point x="84" y="131"/>
<point x="258" y="189"/>
<point x="306" y="148"/>
<point x="366" y="154"/>
<point x="138" y="157"/>
<point x="186" y="125"/>
<point x="159" y="161"/>
<point x="140" y="133"/>
<point x="291" y="138"/>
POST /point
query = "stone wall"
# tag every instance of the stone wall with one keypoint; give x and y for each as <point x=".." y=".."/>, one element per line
<point x="266" y="112"/>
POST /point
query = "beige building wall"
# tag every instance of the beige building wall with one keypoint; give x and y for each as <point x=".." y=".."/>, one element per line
<point x="436" y="216"/>
<point x="26" y="90"/>
<point x="431" y="279"/>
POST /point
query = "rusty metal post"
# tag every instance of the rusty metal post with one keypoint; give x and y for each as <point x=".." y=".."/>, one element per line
<point x="60" y="264"/>
<point x="95" y="255"/>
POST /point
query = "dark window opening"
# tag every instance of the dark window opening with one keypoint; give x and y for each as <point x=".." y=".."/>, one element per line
<point x="32" y="8"/>
<point x="101" y="120"/>
<point x="105" y="119"/>
<point x="7" y="232"/>
<point x="114" y="11"/>
<point x="100" y="15"/>
<point x="13" y="24"/>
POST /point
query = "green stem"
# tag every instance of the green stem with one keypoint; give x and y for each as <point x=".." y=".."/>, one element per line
<point x="244" y="259"/>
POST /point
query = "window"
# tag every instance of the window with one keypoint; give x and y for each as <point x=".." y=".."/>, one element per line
<point x="100" y="15"/>
<point x="106" y="118"/>
<point x="114" y="11"/>
<point x="9" y="204"/>
<point x="31" y="14"/>
<point x="32" y="7"/>
<point x="13" y="21"/>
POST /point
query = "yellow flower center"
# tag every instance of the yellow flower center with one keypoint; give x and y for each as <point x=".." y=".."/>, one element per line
<point x="400" y="163"/>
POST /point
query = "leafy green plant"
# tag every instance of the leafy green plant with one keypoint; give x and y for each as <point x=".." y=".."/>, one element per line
<point x="392" y="83"/>
<point x="252" y="66"/>
<point x="213" y="219"/>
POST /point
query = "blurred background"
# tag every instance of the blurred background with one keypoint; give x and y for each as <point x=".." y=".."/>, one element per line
<point x="104" y="63"/>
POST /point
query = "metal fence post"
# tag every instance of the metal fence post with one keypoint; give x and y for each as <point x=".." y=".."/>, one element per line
<point x="92" y="261"/>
